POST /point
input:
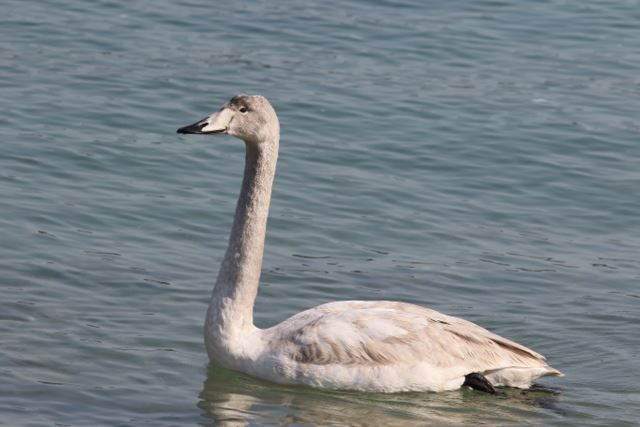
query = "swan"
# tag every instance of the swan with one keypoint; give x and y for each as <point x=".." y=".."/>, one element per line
<point x="373" y="346"/>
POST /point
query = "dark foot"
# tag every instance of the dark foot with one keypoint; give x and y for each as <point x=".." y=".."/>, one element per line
<point x="478" y="382"/>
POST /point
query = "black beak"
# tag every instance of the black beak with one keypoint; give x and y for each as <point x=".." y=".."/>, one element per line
<point x="195" y="128"/>
<point x="215" y="123"/>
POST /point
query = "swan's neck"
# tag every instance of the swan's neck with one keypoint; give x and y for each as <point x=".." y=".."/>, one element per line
<point x="230" y="311"/>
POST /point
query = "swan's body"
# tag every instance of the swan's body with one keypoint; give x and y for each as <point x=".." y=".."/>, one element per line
<point x="377" y="346"/>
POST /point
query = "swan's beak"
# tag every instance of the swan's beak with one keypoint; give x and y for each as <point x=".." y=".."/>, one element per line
<point x="215" y="123"/>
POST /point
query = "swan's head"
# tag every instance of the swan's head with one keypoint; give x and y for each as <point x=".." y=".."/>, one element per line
<point x="248" y="117"/>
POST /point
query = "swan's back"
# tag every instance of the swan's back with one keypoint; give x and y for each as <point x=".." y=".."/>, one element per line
<point x="373" y="337"/>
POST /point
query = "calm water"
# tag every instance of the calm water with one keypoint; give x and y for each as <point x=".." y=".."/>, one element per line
<point x="481" y="158"/>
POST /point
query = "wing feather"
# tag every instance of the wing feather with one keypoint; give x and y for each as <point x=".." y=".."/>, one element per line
<point x="383" y="333"/>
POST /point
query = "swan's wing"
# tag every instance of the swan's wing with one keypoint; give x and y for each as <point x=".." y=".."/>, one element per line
<point x="381" y="333"/>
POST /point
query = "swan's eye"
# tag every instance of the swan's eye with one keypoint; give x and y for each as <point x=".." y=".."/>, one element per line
<point x="243" y="109"/>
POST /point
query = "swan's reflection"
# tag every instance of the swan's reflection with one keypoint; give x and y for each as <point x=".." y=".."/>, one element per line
<point x="231" y="399"/>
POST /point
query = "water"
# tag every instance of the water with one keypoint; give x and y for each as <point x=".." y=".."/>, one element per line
<point x="478" y="158"/>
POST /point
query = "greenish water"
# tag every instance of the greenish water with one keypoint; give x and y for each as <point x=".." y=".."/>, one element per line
<point x="479" y="158"/>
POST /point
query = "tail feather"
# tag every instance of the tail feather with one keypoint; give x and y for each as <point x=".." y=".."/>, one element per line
<point x="551" y="372"/>
<point x="520" y="377"/>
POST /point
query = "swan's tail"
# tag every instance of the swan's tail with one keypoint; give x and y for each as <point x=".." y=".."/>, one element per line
<point x="520" y="377"/>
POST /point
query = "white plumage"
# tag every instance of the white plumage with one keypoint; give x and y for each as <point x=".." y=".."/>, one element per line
<point x="380" y="346"/>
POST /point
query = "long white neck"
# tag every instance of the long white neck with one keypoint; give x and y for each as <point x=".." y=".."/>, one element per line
<point x="231" y="307"/>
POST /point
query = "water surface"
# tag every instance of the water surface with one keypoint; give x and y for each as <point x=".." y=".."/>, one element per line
<point x="481" y="159"/>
